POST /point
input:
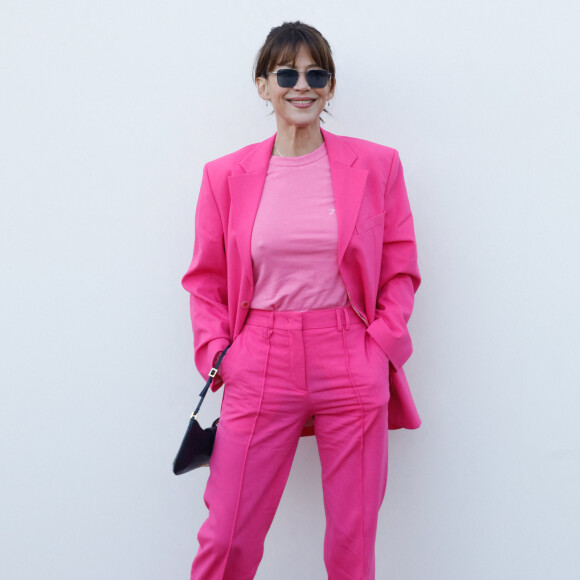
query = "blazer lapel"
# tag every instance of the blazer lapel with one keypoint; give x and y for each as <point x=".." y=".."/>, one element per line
<point x="348" y="184"/>
<point x="245" y="191"/>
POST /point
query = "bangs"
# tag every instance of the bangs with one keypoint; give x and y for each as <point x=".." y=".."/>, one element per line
<point x="282" y="47"/>
<point x="287" y="53"/>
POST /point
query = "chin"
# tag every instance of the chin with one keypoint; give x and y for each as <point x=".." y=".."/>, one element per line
<point x="304" y="122"/>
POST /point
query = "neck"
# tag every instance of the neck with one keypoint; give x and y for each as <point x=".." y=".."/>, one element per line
<point x="293" y="141"/>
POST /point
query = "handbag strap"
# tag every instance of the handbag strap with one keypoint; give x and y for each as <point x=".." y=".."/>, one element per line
<point x="212" y="374"/>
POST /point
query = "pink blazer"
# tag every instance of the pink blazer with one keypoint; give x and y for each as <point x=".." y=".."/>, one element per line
<point x="377" y="254"/>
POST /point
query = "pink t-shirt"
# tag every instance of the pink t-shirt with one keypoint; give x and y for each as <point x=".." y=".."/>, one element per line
<point x="295" y="237"/>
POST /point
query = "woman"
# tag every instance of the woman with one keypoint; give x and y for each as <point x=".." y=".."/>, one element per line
<point x="304" y="260"/>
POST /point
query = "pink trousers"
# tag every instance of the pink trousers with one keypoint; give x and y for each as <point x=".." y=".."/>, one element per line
<point x="282" y="369"/>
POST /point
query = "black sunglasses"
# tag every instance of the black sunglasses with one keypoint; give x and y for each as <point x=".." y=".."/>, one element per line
<point x="317" y="78"/>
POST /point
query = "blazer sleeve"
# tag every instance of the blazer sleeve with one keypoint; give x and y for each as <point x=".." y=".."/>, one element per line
<point x="206" y="282"/>
<point x="399" y="275"/>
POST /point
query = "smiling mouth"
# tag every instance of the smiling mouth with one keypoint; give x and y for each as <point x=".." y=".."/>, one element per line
<point x="301" y="102"/>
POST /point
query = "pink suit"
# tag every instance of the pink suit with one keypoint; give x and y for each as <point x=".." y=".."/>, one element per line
<point x="276" y="373"/>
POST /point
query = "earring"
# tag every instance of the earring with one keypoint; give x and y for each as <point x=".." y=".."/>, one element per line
<point x="267" y="103"/>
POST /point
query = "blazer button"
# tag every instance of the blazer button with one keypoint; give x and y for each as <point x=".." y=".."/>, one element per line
<point x="245" y="304"/>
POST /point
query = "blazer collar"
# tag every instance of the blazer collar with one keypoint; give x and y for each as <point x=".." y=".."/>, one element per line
<point x="337" y="148"/>
<point x="258" y="157"/>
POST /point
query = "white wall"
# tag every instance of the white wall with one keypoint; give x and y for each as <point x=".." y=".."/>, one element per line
<point x="109" y="110"/>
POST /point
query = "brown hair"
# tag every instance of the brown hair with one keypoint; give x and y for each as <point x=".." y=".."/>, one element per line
<point x="283" y="43"/>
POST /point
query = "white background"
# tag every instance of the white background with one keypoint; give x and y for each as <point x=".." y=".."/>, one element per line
<point x="108" y="111"/>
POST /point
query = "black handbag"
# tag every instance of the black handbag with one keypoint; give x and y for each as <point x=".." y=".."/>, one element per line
<point x="197" y="445"/>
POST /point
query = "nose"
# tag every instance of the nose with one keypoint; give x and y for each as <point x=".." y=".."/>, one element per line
<point x="302" y="83"/>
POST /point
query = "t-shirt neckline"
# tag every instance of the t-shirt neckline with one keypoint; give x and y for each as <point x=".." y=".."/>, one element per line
<point x="311" y="157"/>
